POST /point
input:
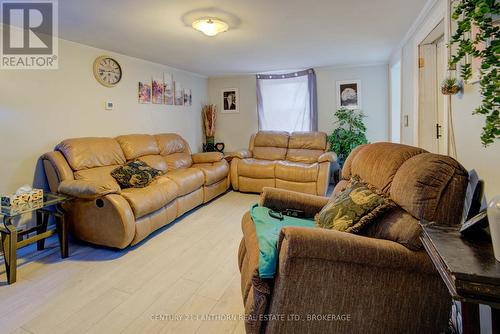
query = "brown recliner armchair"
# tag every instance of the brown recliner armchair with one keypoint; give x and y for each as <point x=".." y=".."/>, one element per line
<point x="381" y="281"/>
<point x="298" y="161"/>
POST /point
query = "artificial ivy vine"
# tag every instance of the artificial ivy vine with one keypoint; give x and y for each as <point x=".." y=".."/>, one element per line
<point x="480" y="13"/>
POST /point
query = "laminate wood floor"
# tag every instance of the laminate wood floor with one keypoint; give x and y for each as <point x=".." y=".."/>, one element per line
<point x="167" y="284"/>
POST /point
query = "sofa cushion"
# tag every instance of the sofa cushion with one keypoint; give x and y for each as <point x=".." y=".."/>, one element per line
<point x="175" y="150"/>
<point x="178" y="160"/>
<point x="271" y="139"/>
<point x="137" y="145"/>
<point x="151" y="198"/>
<point x="135" y="174"/>
<point x="354" y="208"/>
<point x="396" y="225"/>
<point x="155" y="161"/>
<point x="303" y="155"/>
<point x="270" y="145"/>
<point x="308" y="141"/>
<point x="258" y="169"/>
<point x="269" y="153"/>
<point x="171" y="143"/>
<point x="296" y="171"/>
<point x="90" y="152"/>
<point x="187" y="179"/>
<point x="214" y="172"/>
<point x="98" y="174"/>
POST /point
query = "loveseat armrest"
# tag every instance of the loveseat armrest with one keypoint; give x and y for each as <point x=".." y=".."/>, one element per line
<point x="241" y="154"/>
<point x="280" y="199"/>
<point x="207" y="157"/>
<point x="328" y="157"/>
<point x="336" y="246"/>
<point x="87" y="189"/>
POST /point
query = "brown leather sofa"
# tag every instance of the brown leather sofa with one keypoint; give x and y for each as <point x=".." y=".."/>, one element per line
<point x="299" y="161"/>
<point x="381" y="281"/>
<point x="104" y="214"/>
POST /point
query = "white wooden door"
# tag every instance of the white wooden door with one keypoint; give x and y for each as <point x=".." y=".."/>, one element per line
<point x="431" y="101"/>
<point x="440" y="75"/>
<point x="427" y="98"/>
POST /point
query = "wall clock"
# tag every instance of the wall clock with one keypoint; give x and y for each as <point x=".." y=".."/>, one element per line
<point x="107" y="71"/>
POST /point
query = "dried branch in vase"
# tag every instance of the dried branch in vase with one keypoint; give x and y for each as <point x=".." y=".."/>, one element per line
<point x="209" y="115"/>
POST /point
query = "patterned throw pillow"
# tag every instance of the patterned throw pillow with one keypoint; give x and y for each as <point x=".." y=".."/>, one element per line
<point x="135" y="174"/>
<point x="353" y="208"/>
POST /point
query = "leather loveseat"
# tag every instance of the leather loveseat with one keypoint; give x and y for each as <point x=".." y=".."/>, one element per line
<point x="102" y="213"/>
<point x="378" y="281"/>
<point x="299" y="161"/>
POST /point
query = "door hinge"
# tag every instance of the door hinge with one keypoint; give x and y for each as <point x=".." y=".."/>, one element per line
<point x="421" y="62"/>
<point x="438" y="131"/>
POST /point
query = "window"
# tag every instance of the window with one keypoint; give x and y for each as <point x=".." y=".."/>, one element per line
<point x="287" y="102"/>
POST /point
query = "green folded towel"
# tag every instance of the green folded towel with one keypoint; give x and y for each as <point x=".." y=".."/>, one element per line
<point x="268" y="231"/>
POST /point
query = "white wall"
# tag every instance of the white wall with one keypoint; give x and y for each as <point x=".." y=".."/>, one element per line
<point x="395" y="93"/>
<point x="235" y="129"/>
<point x="374" y="97"/>
<point x="470" y="153"/>
<point x="39" y="108"/>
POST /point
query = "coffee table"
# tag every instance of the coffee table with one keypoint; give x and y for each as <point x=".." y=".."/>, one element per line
<point x="17" y="235"/>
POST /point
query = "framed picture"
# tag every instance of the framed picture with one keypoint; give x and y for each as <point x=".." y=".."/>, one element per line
<point x="349" y="94"/>
<point x="179" y="94"/>
<point x="168" y="97"/>
<point x="230" y="100"/>
<point x="188" y="98"/>
<point x="144" y="92"/>
<point x="157" y="91"/>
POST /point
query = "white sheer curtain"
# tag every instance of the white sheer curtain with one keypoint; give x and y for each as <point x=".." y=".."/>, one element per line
<point x="287" y="102"/>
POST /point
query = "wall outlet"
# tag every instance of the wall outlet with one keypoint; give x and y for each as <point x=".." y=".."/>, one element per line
<point x="108" y="105"/>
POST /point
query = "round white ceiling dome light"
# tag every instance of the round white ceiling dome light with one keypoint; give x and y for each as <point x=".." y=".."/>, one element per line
<point x="210" y="26"/>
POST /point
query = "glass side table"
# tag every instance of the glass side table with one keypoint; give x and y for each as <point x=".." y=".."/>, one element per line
<point x="15" y="236"/>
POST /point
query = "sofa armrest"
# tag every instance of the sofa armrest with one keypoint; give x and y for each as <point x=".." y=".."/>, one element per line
<point x="87" y="189"/>
<point x="336" y="246"/>
<point x="280" y="199"/>
<point x="56" y="169"/>
<point x="241" y="154"/>
<point x="328" y="157"/>
<point x="207" y="157"/>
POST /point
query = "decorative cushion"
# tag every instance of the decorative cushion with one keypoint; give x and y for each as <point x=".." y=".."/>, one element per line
<point x="353" y="208"/>
<point x="135" y="174"/>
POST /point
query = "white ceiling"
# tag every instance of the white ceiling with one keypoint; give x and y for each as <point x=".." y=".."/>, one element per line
<point x="266" y="35"/>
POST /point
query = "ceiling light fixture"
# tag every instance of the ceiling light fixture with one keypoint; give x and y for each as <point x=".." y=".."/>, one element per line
<point x="210" y="26"/>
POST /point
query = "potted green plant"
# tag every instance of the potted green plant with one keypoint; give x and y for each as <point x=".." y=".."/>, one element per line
<point x="349" y="133"/>
<point x="450" y="86"/>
